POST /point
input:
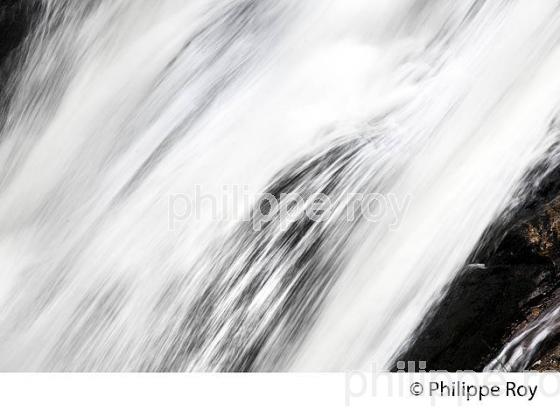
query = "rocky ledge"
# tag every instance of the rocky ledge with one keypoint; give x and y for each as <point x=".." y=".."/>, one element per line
<point x="510" y="283"/>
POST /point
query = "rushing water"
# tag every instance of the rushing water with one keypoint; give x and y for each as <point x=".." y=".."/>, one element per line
<point x="123" y="105"/>
<point x="520" y="352"/>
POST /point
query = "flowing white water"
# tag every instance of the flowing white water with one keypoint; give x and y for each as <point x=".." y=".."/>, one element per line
<point x="123" y="104"/>
<point x="519" y="353"/>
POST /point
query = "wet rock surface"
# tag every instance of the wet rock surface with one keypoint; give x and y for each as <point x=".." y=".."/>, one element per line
<point x="550" y="359"/>
<point x="511" y="280"/>
<point x="16" y="20"/>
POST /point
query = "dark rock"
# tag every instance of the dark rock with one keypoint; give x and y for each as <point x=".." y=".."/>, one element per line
<point x="17" y="19"/>
<point x="492" y="298"/>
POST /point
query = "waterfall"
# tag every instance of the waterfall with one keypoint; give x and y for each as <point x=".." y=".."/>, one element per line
<point x="124" y="109"/>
